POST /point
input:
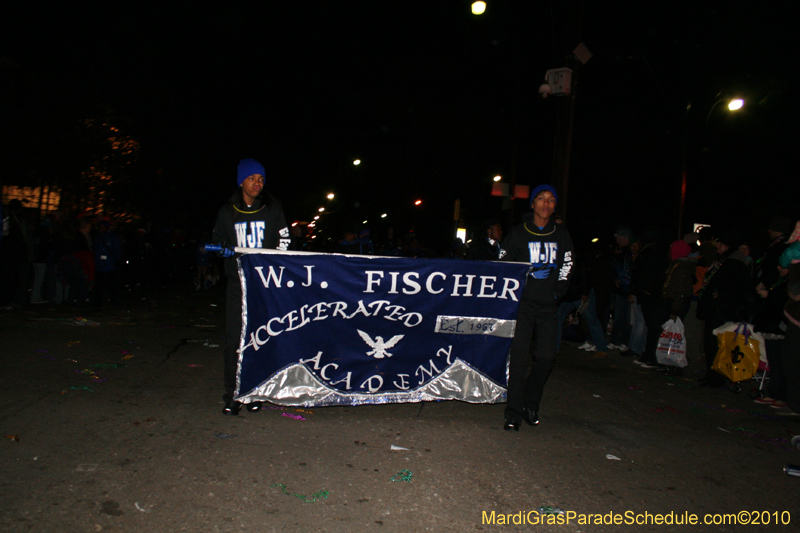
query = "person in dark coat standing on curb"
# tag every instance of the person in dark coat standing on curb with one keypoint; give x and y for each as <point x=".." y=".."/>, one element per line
<point x="107" y="255"/>
<point x="547" y="246"/>
<point x="623" y="267"/>
<point x="252" y="218"/>
<point x="723" y="297"/>
<point x="17" y="256"/>
<point x="648" y="284"/>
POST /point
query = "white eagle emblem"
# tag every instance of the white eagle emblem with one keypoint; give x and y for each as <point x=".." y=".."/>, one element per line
<point x="378" y="346"/>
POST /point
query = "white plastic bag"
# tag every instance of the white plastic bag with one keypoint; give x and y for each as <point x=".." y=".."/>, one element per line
<point x="672" y="344"/>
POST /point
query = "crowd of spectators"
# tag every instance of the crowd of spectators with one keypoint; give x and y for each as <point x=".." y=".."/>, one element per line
<point x="707" y="279"/>
<point x="623" y="294"/>
<point x="83" y="259"/>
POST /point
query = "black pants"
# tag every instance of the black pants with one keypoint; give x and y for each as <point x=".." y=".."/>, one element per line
<point x="540" y="325"/>
<point x="233" y="332"/>
<point x="790" y="355"/>
<point x="14" y="276"/>
<point x="105" y="286"/>
<point x="777" y="374"/>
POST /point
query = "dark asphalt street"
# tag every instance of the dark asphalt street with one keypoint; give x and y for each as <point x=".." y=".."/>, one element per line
<point x="112" y="422"/>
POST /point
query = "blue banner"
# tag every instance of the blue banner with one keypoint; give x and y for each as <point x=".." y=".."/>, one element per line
<point x="326" y="329"/>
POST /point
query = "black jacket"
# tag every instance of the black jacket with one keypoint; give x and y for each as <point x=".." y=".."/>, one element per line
<point x="485" y="249"/>
<point x="725" y="296"/>
<point x="649" y="272"/>
<point x="261" y="225"/>
<point x="549" y="251"/>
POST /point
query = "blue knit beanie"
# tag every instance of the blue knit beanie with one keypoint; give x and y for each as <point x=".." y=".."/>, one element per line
<point x="541" y="188"/>
<point x="248" y="167"/>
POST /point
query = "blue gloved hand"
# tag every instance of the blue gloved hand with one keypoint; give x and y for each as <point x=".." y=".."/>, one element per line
<point x="226" y="252"/>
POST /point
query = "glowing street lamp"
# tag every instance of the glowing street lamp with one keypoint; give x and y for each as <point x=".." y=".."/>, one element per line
<point x="321" y="209"/>
<point x="733" y="105"/>
<point x="478" y="8"/>
<point x="383" y="215"/>
<point x="497" y="178"/>
<point x="418" y="202"/>
<point x="330" y="196"/>
<point x="356" y="162"/>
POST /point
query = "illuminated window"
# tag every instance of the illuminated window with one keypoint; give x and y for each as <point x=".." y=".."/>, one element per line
<point x="44" y="199"/>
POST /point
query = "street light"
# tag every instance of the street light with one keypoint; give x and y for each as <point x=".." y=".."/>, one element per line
<point x="734" y="104"/>
<point x="497" y="178"/>
<point x="356" y="162"/>
<point x="478" y="8"/>
<point x="330" y="196"/>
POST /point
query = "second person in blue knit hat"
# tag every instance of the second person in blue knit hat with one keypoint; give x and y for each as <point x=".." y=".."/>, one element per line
<point x="547" y="246"/>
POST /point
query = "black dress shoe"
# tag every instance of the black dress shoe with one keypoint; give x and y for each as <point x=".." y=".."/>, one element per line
<point x="509" y="425"/>
<point x="531" y="417"/>
<point x="254" y="406"/>
<point x="231" y="408"/>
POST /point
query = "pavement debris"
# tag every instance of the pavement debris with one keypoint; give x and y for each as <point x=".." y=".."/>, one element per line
<point x="317" y="495"/>
<point x="405" y="475"/>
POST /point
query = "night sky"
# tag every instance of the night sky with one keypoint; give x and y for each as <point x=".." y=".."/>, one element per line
<point x="434" y="101"/>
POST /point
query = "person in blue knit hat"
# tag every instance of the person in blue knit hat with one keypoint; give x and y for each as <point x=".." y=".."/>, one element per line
<point x="252" y="218"/>
<point x="547" y="246"/>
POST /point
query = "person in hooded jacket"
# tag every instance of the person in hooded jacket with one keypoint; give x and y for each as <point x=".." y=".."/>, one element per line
<point x="677" y="290"/>
<point x="547" y="246"/>
<point x="252" y="218"/>
<point x="724" y="297"/>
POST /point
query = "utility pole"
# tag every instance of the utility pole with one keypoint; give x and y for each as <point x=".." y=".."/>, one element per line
<point x="563" y="145"/>
<point x="573" y="11"/>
